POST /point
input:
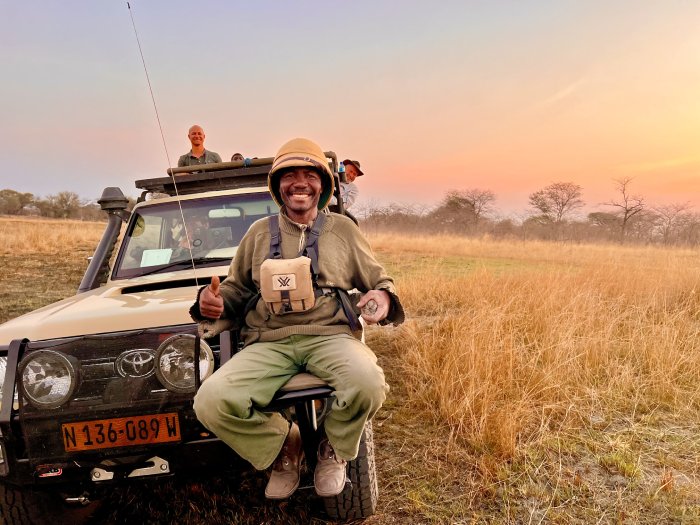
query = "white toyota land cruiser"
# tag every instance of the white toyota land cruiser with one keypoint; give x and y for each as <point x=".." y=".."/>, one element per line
<point x="97" y="389"/>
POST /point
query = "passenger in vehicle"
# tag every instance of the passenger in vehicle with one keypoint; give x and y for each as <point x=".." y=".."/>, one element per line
<point x="349" y="190"/>
<point x="285" y="334"/>
<point x="198" y="237"/>
<point x="197" y="155"/>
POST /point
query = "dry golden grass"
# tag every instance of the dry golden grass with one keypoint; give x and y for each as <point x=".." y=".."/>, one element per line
<point x="502" y="351"/>
<point x="532" y="383"/>
<point x="513" y="348"/>
<point x="30" y="235"/>
<point x="42" y="261"/>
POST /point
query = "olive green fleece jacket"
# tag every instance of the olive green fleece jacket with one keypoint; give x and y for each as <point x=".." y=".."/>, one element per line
<point x="345" y="261"/>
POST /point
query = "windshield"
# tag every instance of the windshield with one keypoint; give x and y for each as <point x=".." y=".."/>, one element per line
<point x="156" y="240"/>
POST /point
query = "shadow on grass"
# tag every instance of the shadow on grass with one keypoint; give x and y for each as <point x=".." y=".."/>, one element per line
<point x="236" y="497"/>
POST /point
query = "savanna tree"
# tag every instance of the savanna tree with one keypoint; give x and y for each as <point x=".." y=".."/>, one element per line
<point x="627" y="205"/>
<point x="480" y="201"/>
<point x="556" y="201"/>
<point x="606" y="223"/>
<point x="669" y="218"/>
<point x="63" y="205"/>
<point x="13" y="202"/>
<point x="461" y="211"/>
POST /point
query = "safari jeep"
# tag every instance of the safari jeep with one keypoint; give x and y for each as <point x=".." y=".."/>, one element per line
<point x="97" y="389"/>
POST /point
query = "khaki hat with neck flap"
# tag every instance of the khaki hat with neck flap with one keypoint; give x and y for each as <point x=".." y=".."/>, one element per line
<point x="301" y="152"/>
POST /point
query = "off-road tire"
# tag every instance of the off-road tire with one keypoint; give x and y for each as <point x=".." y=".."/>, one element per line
<point x="24" y="506"/>
<point x="359" y="499"/>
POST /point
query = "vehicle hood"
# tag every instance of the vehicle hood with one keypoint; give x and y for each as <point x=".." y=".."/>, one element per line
<point x="153" y="301"/>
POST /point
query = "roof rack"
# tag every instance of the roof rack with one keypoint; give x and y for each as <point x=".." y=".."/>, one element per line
<point x="217" y="176"/>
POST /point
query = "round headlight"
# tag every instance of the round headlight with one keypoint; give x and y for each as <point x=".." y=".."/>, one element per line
<point x="175" y="363"/>
<point x="48" y="378"/>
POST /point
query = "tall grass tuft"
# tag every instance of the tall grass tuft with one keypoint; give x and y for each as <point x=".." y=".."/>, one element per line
<point x="503" y="353"/>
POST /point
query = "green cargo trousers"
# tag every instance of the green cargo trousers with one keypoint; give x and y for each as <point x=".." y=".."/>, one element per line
<point x="231" y="402"/>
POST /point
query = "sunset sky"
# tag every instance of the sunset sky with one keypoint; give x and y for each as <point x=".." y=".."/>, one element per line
<point x="430" y="96"/>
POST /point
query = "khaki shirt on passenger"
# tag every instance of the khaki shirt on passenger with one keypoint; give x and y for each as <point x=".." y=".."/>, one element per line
<point x="190" y="160"/>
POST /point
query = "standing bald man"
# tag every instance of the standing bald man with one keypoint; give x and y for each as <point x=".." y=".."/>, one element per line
<point x="197" y="155"/>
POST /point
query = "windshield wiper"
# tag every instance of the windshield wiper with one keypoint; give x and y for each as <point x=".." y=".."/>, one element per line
<point x="186" y="263"/>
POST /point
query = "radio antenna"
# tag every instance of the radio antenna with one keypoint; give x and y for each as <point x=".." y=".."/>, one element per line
<point x="165" y="147"/>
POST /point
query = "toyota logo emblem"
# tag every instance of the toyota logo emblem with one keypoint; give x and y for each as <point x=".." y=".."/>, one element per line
<point x="136" y="363"/>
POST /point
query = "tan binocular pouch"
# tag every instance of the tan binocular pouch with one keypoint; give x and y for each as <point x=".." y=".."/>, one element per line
<point x="286" y="285"/>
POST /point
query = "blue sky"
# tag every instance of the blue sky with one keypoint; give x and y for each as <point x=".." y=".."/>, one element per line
<point x="430" y="96"/>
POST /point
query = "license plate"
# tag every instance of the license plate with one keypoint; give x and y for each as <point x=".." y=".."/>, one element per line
<point x="121" y="432"/>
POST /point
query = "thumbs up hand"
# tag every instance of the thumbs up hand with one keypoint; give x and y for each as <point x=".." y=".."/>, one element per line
<point x="211" y="304"/>
<point x="214" y="286"/>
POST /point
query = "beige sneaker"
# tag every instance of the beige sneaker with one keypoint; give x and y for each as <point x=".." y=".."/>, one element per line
<point x="284" y="478"/>
<point x="329" y="476"/>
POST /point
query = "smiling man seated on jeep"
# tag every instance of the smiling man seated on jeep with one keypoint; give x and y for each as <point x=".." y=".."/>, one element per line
<point x="288" y="282"/>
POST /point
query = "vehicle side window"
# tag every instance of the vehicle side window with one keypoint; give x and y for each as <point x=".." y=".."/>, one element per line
<point x="147" y="232"/>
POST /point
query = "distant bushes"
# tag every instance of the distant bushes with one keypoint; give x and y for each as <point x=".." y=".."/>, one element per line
<point x="554" y="216"/>
<point x="63" y="205"/>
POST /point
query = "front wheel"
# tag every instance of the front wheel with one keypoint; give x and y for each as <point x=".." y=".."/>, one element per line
<point x="27" y="506"/>
<point x="359" y="498"/>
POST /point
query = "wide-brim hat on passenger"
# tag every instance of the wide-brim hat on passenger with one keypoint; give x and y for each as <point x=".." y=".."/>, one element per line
<point x="355" y="163"/>
<point x="298" y="153"/>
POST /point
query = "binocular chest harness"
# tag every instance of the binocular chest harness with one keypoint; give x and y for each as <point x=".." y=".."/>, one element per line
<point x="291" y="285"/>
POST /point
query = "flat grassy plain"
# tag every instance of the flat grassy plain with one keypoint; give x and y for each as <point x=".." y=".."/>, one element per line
<point x="532" y="383"/>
